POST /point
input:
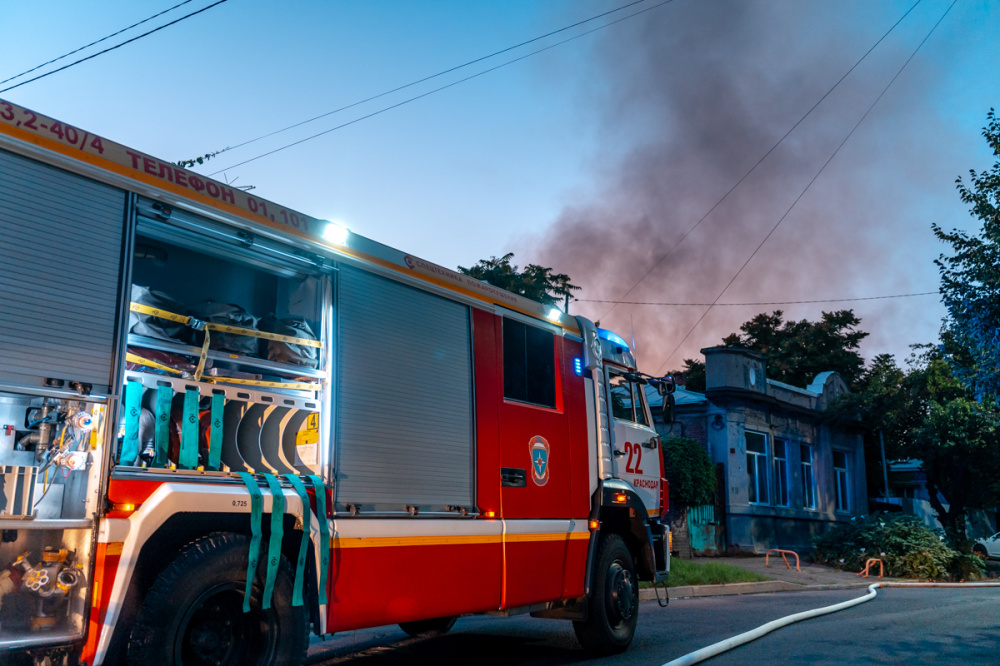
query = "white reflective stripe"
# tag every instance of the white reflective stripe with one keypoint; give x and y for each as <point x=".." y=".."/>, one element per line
<point x="113" y="530"/>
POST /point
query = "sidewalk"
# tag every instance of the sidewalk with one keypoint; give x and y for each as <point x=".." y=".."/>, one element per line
<point x="811" y="577"/>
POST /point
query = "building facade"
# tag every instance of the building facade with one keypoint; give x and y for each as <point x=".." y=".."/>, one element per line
<point x="787" y="475"/>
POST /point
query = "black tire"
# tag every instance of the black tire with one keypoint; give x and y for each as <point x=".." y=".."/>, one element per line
<point x="193" y="613"/>
<point x="434" y="627"/>
<point x="980" y="551"/>
<point x="614" y="600"/>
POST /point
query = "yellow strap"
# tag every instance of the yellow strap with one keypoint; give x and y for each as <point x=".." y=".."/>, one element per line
<point x="223" y="328"/>
<point x="158" y="313"/>
<point x="133" y="358"/>
<point x="298" y="386"/>
<point x="202" y="357"/>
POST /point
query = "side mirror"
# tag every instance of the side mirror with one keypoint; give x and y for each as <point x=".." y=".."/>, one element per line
<point x="665" y="385"/>
<point x="668" y="409"/>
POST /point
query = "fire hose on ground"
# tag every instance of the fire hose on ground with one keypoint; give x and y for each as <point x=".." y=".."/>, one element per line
<point x="752" y="635"/>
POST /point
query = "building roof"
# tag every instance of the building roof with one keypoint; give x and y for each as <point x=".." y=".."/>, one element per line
<point x="681" y="397"/>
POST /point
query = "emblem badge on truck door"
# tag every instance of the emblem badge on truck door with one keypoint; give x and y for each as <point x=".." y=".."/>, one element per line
<point x="539" y="450"/>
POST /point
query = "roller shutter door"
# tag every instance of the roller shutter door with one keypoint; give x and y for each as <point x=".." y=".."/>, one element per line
<point x="404" y="397"/>
<point x="61" y="239"/>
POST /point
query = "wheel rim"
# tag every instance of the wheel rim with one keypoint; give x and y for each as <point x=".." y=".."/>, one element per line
<point x="215" y="631"/>
<point x="620" y="593"/>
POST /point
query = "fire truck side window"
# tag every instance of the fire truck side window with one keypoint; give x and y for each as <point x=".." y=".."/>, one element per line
<point x="529" y="365"/>
<point x="626" y="403"/>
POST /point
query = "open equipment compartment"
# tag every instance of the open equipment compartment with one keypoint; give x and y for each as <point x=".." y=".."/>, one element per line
<point x="50" y="465"/>
<point x="231" y="376"/>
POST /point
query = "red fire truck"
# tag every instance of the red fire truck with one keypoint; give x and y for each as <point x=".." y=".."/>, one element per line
<point x="226" y="425"/>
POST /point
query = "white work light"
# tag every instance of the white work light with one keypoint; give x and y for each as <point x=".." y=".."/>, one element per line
<point x="336" y="233"/>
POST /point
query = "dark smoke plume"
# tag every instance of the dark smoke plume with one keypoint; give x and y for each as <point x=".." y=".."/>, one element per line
<point x="692" y="95"/>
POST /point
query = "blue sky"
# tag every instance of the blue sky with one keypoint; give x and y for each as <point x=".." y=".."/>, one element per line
<point x="593" y="157"/>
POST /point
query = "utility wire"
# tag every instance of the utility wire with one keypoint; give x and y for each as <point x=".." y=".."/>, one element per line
<point x="826" y="300"/>
<point x="425" y="79"/>
<point x="436" y="90"/>
<point x="759" y="162"/>
<point x="102" y="39"/>
<point x="801" y="194"/>
<point x="112" y="48"/>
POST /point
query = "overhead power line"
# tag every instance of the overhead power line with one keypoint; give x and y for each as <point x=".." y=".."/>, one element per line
<point x="439" y="89"/>
<point x="424" y="79"/>
<point x="112" y="48"/>
<point x="809" y="184"/>
<point x="719" y="305"/>
<point x="102" y="39"/>
<point x="760" y="161"/>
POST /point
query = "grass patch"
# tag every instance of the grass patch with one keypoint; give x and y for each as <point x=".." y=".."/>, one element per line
<point x="692" y="572"/>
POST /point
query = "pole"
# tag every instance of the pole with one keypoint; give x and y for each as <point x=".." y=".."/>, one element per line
<point x="885" y="470"/>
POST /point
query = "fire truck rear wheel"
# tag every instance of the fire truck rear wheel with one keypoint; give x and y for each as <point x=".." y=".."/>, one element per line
<point x="433" y="627"/>
<point x="614" y="600"/>
<point x="193" y="613"/>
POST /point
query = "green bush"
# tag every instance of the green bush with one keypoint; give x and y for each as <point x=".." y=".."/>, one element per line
<point x="907" y="547"/>
<point x="690" y="473"/>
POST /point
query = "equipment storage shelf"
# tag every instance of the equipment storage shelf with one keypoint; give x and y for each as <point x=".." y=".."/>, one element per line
<point x="51" y="448"/>
<point x="266" y="366"/>
<point x="173" y="424"/>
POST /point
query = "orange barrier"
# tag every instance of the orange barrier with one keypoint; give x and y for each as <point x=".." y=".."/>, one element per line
<point x="783" y="553"/>
<point x="881" y="567"/>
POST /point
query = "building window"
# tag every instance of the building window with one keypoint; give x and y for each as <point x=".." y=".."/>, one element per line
<point x="529" y="364"/>
<point x="781" y="472"/>
<point x="808" y="481"/>
<point x="757" y="467"/>
<point x="840" y="473"/>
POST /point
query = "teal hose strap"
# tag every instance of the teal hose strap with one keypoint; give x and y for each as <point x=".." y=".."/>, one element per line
<point x="133" y="408"/>
<point x="215" y="432"/>
<point x="188" y="456"/>
<point x="277" y="533"/>
<point x="256" y="512"/>
<point x="300" y="563"/>
<point x="324" y="535"/>
<point x="161" y="434"/>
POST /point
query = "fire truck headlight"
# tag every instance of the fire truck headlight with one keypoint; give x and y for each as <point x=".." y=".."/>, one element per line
<point x="336" y="233"/>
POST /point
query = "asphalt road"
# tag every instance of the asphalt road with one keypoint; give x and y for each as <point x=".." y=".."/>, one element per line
<point x="900" y="626"/>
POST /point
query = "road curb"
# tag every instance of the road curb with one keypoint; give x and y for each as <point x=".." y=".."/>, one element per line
<point x="729" y="589"/>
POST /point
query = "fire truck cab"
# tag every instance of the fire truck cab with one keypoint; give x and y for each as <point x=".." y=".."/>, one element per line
<point x="226" y="426"/>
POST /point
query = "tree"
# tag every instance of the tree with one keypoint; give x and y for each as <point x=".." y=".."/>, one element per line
<point x="538" y="283"/>
<point x="970" y="278"/>
<point x="692" y="376"/>
<point x="925" y="413"/>
<point x="797" y="351"/>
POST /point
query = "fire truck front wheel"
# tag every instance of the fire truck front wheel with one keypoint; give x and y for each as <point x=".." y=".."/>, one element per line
<point x="614" y="600"/>
<point x="193" y="613"/>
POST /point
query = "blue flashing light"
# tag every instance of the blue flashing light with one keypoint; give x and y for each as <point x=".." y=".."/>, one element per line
<point x="578" y="366"/>
<point x="612" y="337"/>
